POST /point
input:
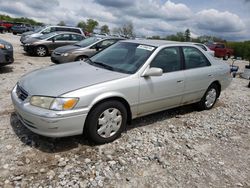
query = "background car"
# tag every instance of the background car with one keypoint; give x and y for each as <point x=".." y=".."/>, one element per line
<point x="83" y="49"/>
<point x="6" y="53"/>
<point x="131" y="78"/>
<point x="49" y="29"/>
<point x="21" y="28"/>
<point x="3" y="29"/>
<point x="45" y="44"/>
<point x="220" y="50"/>
<point x="6" y="24"/>
<point x="205" y="48"/>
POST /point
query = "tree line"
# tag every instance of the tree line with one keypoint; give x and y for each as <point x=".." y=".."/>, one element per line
<point x="241" y="49"/>
<point x="19" y="20"/>
<point x="127" y="29"/>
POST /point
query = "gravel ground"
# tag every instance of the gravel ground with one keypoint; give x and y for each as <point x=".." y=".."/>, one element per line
<point x="175" y="148"/>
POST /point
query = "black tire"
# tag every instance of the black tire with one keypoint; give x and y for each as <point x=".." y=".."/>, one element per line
<point x="92" y="125"/>
<point x="81" y="58"/>
<point x="206" y="103"/>
<point x="41" y="51"/>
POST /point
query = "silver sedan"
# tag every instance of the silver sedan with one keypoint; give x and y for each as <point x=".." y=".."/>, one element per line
<point x="127" y="80"/>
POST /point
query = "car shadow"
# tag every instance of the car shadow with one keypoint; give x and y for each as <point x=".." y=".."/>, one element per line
<point x="54" y="145"/>
<point x="160" y="116"/>
<point x="45" y="144"/>
<point x="6" y="69"/>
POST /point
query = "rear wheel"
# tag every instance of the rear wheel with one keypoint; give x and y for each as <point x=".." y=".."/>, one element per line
<point x="209" y="99"/>
<point x="41" y="51"/>
<point x="106" y="122"/>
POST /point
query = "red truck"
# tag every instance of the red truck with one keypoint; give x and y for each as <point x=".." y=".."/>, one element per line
<point x="6" y="24"/>
<point x="220" y="50"/>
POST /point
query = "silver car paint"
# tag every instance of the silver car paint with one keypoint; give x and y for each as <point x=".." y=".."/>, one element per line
<point x="81" y="77"/>
<point x="139" y="92"/>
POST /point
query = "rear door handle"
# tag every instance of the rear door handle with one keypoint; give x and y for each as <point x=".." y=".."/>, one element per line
<point x="179" y="81"/>
<point x="210" y="75"/>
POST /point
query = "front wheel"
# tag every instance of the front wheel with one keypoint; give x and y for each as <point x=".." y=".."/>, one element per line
<point x="41" y="51"/>
<point x="209" y="99"/>
<point x="106" y="122"/>
<point x="81" y="58"/>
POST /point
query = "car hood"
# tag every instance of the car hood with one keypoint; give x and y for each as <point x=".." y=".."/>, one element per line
<point x="30" y="40"/>
<point x="60" y="79"/>
<point x="27" y="33"/>
<point x="67" y="48"/>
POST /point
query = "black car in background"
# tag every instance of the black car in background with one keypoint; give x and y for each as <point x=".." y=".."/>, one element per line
<point x="6" y="53"/>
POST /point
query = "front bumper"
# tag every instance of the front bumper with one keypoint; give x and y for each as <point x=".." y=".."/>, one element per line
<point x="48" y="122"/>
<point x="29" y="49"/>
<point x="6" y="57"/>
<point x="62" y="59"/>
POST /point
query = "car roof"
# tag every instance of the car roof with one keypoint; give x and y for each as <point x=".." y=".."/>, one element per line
<point x="107" y="37"/>
<point x="150" y="42"/>
<point x="65" y="32"/>
<point x="63" y="26"/>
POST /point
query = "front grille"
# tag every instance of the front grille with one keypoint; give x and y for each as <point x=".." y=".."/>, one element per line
<point x="21" y="93"/>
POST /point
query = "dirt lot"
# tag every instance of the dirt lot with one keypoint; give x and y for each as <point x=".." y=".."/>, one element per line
<point x="175" y="148"/>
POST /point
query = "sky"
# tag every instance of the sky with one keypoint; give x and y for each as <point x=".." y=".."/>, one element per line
<point x="228" y="19"/>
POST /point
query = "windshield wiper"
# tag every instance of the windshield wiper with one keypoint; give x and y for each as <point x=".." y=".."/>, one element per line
<point x="102" y="65"/>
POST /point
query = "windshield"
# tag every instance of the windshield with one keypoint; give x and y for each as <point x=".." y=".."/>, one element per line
<point x="123" y="57"/>
<point x="38" y="29"/>
<point x="46" y="36"/>
<point x="88" y="41"/>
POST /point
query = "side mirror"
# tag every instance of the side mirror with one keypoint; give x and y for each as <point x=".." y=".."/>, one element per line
<point x="153" y="72"/>
<point x="53" y="40"/>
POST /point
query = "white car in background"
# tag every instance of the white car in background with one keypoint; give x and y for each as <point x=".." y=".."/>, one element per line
<point x="204" y="47"/>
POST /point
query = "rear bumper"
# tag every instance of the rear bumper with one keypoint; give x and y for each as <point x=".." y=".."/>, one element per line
<point x="48" y="122"/>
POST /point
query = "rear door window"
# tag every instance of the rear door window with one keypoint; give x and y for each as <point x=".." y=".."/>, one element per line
<point x="194" y="58"/>
<point x="62" y="37"/>
<point x="76" y="37"/>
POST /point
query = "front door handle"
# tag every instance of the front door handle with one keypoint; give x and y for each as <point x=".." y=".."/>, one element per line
<point x="210" y="75"/>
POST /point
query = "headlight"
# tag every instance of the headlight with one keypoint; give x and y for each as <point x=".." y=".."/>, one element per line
<point x="5" y="46"/>
<point x="27" y="44"/>
<point x="63" y="103"/>
<point x="53" y="103"/>
<point x="64" y="54"/>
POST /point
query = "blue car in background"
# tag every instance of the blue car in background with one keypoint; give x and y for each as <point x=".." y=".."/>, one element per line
<point x="21" y="28"/>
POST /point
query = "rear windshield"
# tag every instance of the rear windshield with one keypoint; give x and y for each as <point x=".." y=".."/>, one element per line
<point x="88" y="41"/>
